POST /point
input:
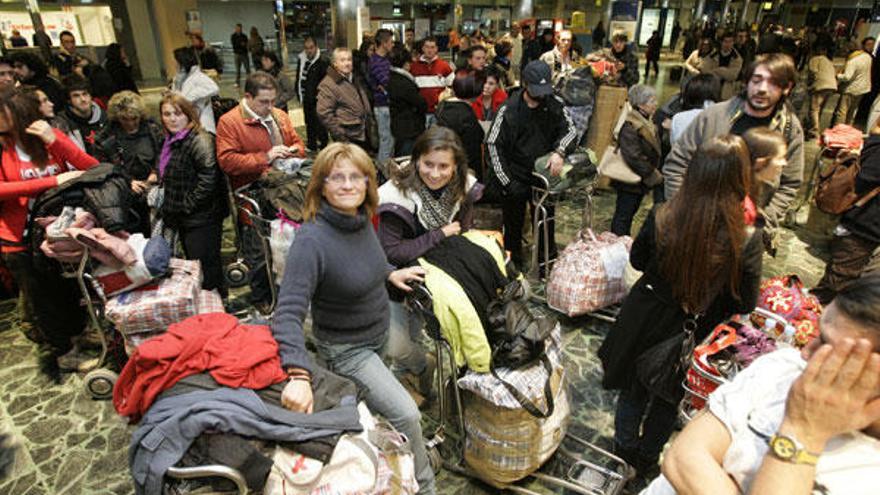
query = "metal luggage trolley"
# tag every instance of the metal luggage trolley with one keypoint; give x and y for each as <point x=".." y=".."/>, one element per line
<point x="98" y="381"/>
<point x="566" y="469"/>
<point x="700" y="382"/>
<point x="543" y="196"/>
<point x="249" y="215"/>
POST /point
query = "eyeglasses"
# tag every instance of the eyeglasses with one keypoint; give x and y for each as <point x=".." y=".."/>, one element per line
<point x="341" y="179"/>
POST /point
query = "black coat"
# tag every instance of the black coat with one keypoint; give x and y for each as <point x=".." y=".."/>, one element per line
<point x="407" y="107"/>
<point x="650" y="313"/>
<point x="136" y="155"/>
<point x="121" y="74"/>
<point x="865" y="221"/>
<point x="316" y="74"/>
<point x="459" y="116"/>
<point x="195" y="191"/>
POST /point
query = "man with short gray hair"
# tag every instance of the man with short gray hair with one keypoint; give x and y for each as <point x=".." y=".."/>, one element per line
<point x="343" y="104"/>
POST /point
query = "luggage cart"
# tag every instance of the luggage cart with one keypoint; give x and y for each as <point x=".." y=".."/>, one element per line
<point x="574" y="467"/>
<point x="700" y="381"/>
<point x="543" y="196"/>
<point x="98" y="381"/>
<point x="248" y="215"/>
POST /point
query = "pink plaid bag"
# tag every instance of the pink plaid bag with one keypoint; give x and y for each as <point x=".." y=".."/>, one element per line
<point x="589" y="274"/>
<point x="152" y="308"/>
<point x="210" y="302"/>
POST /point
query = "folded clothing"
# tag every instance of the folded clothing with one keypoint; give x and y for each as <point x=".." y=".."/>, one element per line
<point x="236" y="355"/>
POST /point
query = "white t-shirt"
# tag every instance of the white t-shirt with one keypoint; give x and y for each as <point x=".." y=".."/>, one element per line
<point x="755" y="400"/>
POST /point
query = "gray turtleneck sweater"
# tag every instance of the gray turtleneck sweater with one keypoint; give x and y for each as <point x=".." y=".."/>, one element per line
<point x="337" y="266"/>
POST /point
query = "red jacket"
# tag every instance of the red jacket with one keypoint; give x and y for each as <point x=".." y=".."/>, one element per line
<point x="236" y="355"/>
<point x="21" y="181"/>
<point x="498" y="99"/>
<point x="432" y="78"/>
<point x="243" y="144"/>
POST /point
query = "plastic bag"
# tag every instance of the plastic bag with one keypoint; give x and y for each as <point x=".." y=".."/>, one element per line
<point x="282" y="234"/>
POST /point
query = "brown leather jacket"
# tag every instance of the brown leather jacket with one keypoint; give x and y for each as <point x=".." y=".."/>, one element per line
<point x="343" y="107"/>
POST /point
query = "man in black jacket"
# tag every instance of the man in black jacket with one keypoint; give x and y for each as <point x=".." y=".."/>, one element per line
<point x="30" y="70"/>
<point x="530" y="124"/>
<point x="310" y="72"/>
<point x="858" y="235"/>
<point x="81" y="118"/>
<point x="239" y="42"/>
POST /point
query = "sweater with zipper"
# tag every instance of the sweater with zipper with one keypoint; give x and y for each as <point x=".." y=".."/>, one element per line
<point x="23" y="181"/>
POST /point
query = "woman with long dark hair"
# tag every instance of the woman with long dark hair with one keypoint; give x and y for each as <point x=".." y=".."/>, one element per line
<point x="36" y="158"/>
<point x="701" y="258"/>
<point x="426" y="202"/>
<point x="194" y="202"/>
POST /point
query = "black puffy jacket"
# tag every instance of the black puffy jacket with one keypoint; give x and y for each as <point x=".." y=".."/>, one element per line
<point x="102" y="190"/>
<point x="195" y="191"/>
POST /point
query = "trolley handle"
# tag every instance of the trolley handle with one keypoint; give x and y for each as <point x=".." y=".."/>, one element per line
<point x="545" y="182"/>
<point x="771" y="316"/>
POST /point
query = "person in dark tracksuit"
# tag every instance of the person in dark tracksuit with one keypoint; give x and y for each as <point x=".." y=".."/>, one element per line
<point x="530" y="124"/>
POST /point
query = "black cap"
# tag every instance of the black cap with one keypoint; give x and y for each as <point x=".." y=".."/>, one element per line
<point x="537" y="77"/>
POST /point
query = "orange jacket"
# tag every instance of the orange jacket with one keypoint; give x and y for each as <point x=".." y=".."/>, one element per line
<point x="243" y="144"/>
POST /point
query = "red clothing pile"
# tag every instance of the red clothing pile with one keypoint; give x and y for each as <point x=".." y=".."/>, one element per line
<point x="236" y="355"/>
<point x="21" y="181"/>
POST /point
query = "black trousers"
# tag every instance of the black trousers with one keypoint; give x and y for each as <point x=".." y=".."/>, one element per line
<point x="513" y="207"/>
<point x="203" y="243"/>
<point x="54" y="302"/>
<point x="625" y="209"/>
<point x="850" y="255"/>
<point x="315" y="131"/>
<point x="648" y="65"/>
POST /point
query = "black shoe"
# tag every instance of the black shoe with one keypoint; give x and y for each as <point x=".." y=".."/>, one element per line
<point x="49" y="366"/>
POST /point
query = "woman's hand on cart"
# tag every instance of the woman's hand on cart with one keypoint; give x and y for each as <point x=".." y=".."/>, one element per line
<point x="401" y="278"/>
<point x="297" y="394"/>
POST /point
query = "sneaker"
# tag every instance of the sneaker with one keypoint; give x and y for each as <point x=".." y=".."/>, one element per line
<point x="75" y="360"/>
<point x="90" y="339"/>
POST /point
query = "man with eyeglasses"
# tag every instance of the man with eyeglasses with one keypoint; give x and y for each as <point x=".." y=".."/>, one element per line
<point x="252" y="138"/>
<point x="530" y="124"/>
<point x="797" y="423"/>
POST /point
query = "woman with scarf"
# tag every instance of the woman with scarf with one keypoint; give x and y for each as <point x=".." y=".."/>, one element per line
<point x="701" y="257"/>
<point x="195" y="86"/>
<point x="194" y="201"/>
<point x="406" y="103"/>
<point x="430" y="199"/>
<point x="640" y="149"/>
<point x="336" y="270"/>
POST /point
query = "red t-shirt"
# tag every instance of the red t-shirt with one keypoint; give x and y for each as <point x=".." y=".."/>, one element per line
<point x="21" y="181"/>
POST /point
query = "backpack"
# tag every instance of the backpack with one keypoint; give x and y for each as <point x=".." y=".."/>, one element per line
<point x="836" y="185"/>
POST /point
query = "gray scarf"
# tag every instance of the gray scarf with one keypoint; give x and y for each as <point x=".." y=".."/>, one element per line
<point x="435" y="213"/>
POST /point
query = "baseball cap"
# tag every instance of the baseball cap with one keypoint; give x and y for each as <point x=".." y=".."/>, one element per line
<point x="537" y="76"/>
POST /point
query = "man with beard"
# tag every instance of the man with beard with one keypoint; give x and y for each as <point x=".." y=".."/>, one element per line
<point x="769" y="80"/>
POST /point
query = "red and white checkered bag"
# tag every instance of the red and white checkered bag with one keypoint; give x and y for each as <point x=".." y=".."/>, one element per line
<point x="589" y="274"/>
<point x="210" y="302"/>
<point x="152" y="308"/>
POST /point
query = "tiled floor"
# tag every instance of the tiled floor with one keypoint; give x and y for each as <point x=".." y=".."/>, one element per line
<point x="73" y="445"/>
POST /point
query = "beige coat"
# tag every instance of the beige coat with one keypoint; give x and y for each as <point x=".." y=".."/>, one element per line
<point x="856" y="77"/>
<point x="821" y="74"/>
<point x="726" y="75"/>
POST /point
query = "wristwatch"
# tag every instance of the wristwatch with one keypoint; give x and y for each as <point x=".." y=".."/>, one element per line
<point x="788" y="449"/>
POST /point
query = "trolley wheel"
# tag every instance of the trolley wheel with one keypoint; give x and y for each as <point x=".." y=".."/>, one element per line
<point x="99" y="383"/>
<point x="435" y="459"/>
<point x="236" y="274"/>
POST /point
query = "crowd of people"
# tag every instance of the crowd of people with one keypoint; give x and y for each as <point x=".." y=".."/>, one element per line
<point x="723" y="161"/>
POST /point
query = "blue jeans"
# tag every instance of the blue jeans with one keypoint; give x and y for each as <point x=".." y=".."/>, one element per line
<point x="642" y="425"/>
<point x="384" y="395"/>
<point x="404" y="345"/>
<point x="386" y="139"/>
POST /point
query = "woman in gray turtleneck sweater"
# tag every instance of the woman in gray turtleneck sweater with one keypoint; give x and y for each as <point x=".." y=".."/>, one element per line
<point x="337" y="266"/>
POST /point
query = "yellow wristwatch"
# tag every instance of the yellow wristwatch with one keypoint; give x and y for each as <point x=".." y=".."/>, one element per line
<point x="788" y="449"/>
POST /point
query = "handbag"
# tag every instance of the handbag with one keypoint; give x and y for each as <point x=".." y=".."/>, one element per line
<point x="661" y="368"/>
<point x="615" y="168"/>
